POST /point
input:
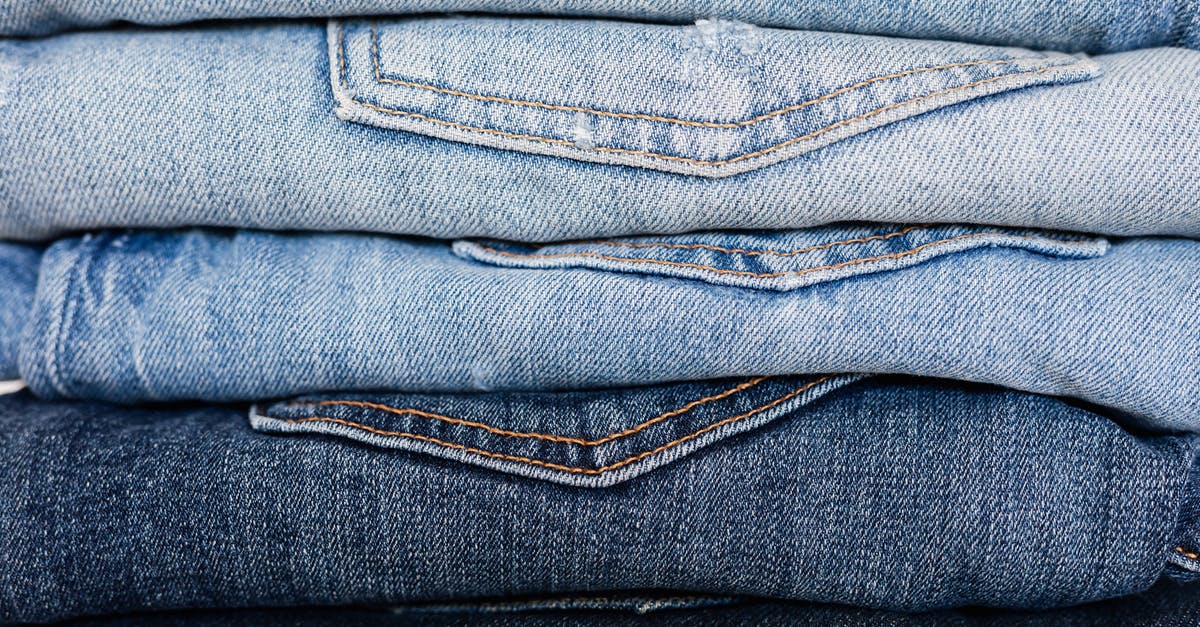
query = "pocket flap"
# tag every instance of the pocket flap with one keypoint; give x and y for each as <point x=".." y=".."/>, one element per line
<point x="585" y="438"/>
<point x="780" y="260"/>
<point x="712" y="99"/>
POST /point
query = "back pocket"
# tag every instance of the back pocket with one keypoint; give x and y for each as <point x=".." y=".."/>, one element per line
<point x="585" y="438"/>
<point x="711" y="99"/>
<point x="780" y="260"/>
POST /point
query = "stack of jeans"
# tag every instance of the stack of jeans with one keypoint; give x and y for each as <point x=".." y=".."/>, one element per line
<point x="601" y="305"/>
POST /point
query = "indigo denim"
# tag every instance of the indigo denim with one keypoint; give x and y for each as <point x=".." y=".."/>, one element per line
<point x="229" y="315"/>
<point x="1093" y="25"/>
<point x="18" y="276"/>
<point x="892" y="494"/>
<point x="538" y="129"/>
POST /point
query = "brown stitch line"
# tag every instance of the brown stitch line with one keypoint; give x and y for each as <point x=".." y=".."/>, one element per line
<point x="657" y="118"/>
<point x="375" y="51"/>
<point x="551" y="465"/>
<point x="701" y="162"/>
<point x="753" y="253"/>
<point x="766" y="275"/>
<point x="1180" y="549"/>
<point x="540" y="436"/>
<point x="341" y="44"/>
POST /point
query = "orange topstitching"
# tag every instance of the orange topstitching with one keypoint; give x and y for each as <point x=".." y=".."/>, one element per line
<point x="553" y="466"/>
<point x="540" y="436"/>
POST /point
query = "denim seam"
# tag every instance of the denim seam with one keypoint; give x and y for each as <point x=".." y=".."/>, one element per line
<point x="379" y="78"/>
<point x="755" y="253"/>
<point x="767" y="275"/>
<point x="54" y="368"/>
<point x="1193" y="554"/>
<point x="550" y="465"/>
<point x="1106" y="550"/>
<point x="678" y="159"/>
<point x="341" y="50"/>
<point x="581" y="441"/>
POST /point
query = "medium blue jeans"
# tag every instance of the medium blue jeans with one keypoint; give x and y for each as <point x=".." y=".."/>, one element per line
<point x="225" y="316"/>
<point x="893" y="493"/>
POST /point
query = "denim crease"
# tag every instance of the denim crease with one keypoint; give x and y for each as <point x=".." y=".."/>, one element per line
<point x="1166" y="605"/>
<point x="1090" y="25"/>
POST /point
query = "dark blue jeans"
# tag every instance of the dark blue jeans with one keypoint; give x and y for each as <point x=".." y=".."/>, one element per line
<point x="887" y="493"/>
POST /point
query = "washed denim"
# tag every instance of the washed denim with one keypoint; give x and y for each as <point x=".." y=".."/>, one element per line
<point x="537" y="129"/>
<point x="889" y="494"/>
<point x="18" y="276"/>
<point x="226" y="315"/>
<point x="1167" y="604"/>
<point x="1092" y="25"/>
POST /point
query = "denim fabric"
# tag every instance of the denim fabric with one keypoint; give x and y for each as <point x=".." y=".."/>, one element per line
<point x="1165" y="605"/>
<point x="714" y="100"/>
<point x="543" y="130"/>
<point x="1094" y="25"/>
<point x="211" y="315"/>
<point x="887" y="494"/>
<point x="18" y="276"/>
<point x="583" y="439"/>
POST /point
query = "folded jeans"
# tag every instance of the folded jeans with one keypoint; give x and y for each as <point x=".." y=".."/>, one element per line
<point x="538" y="129"/>
<point x="246" y="315"/>
<point x="886" y="493"/>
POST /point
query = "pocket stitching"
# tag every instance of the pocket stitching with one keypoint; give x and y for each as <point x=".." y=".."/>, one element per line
<point x="550" y="465"/>
<point x="379" y="78"/>
<point x="675" y="158"/>
<point x="756" y="253"/>
<point x="540" y="436"/>
<point x="767" y="275"/>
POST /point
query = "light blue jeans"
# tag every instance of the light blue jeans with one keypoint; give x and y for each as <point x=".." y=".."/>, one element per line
<point x="221" y="316"/>
<point x="547" y="129"/>
<point x="1092" y="25"/>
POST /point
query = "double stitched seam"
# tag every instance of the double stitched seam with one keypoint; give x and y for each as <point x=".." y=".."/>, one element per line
<point x="379" y="78"/>
<point x="765" y="275"/>
<point x="753" y="253"/>
<point x="674" y="158"/>
<point x="551" y="465"/>
<point x="540" y="436"/>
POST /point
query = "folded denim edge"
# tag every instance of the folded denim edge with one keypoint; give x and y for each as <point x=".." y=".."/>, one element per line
<point x="55" y="301"/>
